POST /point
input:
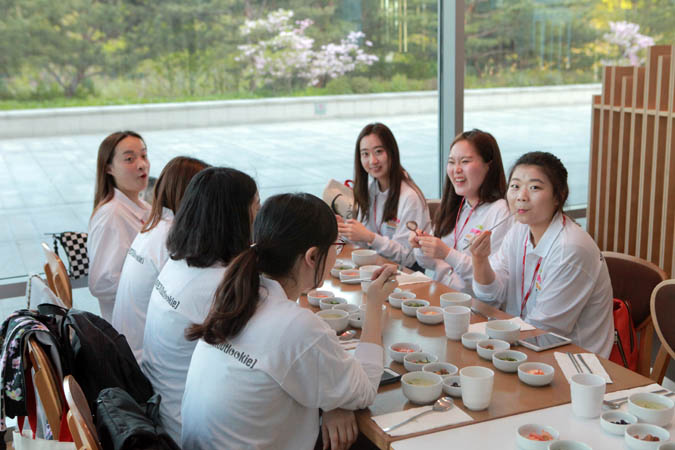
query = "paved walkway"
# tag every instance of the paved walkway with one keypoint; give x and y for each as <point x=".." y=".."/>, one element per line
<point x="46" y="184"/>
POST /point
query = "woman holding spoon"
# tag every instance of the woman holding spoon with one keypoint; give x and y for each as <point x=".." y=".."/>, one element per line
<point x="548" y="271"/>
<point x="472" y="202"/>
<point x="385" y="197"/>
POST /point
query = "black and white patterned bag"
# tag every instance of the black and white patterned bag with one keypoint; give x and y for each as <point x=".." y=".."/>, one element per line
<point x="75" y="245"/>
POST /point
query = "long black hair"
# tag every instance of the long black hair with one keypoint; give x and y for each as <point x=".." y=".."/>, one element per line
<point x="286" y="227"/>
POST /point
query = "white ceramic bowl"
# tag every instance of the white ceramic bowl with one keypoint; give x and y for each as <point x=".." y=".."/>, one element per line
<point x="410" y="360"/>
<point x="641" y="430"/>
<point x="508" y="366"/>
<point x="349" y="307"/>
<point x="422" y="394"/>
<point x="532" y="379"/>
<point x="365" y="285"/>
<point x="503" y="329"/>
<point x="607" y="419"/>
<point x="350" y="274"/>
<point x="364" y="257"/>
<point x="497" y="346"/>
<point x="369" y="270"/>
<point x="568" y="445"/>
<point x="338" y="320"/>
<point x="455" y="299"/>
<point x="438" y="366"/>
<point x="330" y="302"/>
<point x="661" y="417"/>
<point x="528" y="444"/>
<point x="356" y="319"/>
<point x="448" y="388"/>
<point x="411" y="311"/>
<point x="430" y="315"/>
<point x="398" y="355"/>
<point x="396" y="298"/>
<point x="315" y="296"/>
<point x="340" y="265"/>
<point x="470" y="339"/>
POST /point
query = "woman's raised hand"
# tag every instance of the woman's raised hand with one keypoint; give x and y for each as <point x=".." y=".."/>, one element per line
<point x="413" y="240"/>
<point x="384" y="283"/>
<point x="480" y="246"/>
<point x="433" y="247"/>
<point x="355" y="231"/>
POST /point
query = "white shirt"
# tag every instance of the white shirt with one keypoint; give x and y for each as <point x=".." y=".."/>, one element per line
<point x="391" y="238"/>
<point x="263" y="388"/>
<point x="456" y="269"/>
<point x="112" y="229"/>
<point x="182" y="296"/>
<point x="145" y="259"/>
<point x="572" y="292"/>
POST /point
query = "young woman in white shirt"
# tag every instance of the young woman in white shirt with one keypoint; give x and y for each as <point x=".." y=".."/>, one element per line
<point x="385" y="197"/>
<point x="264" y="366"/>
<point x="122" y="169"/>
<point x="548" y="271"/>
<point x="472" y="201"/>
<point x="212" y="226"/>
<point x="148" y="253"/>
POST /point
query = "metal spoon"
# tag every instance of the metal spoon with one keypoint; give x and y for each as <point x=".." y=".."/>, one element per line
<point x="347" y="335"/>
<point x="412" y="226"/>
<point x="442" y="404"/>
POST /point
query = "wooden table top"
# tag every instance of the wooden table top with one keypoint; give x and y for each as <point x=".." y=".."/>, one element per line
<point x="510" y="395"/>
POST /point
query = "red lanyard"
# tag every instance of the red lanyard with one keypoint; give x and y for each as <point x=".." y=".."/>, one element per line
<point x="465" y="222"/>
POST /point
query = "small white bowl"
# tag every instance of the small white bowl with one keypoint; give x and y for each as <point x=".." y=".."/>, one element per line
<point x="661" y="417"/>
<point x="607" y="419"/>
<point x="508" y="366"/>
<point x="643" y="429"/>
<point x="350" y="274"/>
<point x="315" y="296"/>
<point x="340" y="265"/>
<point x="410" y="364"/>
<point x="409" y="310"/>
<point x="528" y="444"/>
<point x="448" y="388"/>
<point x="532" y="379"/>
<point x="438" y="366"/>
<point x="337" y="319"/>
<point x="430" y="315"/>
<point x="364" y="257"/>
<point x="369" y="270"/>
<point x="331" y="302"/>
<point x="397" y="355"/>
<point x="503" y="329"/>
<point x="470" y="339"/>
<point x="568" y="445"/>
<point x="356" y="319"/>
<point x="396" y="298"/>
<point x="422" y="395"/>
<point x="497" y="346"/>
<point x="455" y="299"/>
<point x="349" y="307"/>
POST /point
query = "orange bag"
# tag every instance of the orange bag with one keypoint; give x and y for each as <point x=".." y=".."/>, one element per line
<point x="625" y="349"/>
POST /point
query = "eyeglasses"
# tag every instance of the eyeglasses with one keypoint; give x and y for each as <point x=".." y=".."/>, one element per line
<point x="339" y="245"/>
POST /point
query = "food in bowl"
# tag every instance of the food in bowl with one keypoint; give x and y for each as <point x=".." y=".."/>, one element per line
<point x="647" y="437"/>
<point x="543" y="436"/>
<point x="620" y="422"/>
<point x="414" y="304"/>
<point x="403" y="349"/>
<point x="441" y="372"/>
<point x="535" y="372"/>
<point x="420" y="382"/>
<point x="507" y="358"/>
<point x="332" y="316"/>
<point x="649" y="405"/>
<point x="420" y="361"/>
<point x="429" y="313"/>
<point x="489" y="347"/>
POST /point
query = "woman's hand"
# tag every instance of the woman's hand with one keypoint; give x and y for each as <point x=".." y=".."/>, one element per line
<point x="384" y="282"/>
<point x="433" y="247"/>
<point x="480" y="246"/>
<point x="355" y="231"/>
<point x="413" y="240"/>
<point x="338" y="429"/>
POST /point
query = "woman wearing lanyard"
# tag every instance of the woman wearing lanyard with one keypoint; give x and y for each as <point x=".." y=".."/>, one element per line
<point x="122" y="168"/>
<point x="385" y="197"/>
<point x="472" y="201"/>
<point x="548" y="271"/>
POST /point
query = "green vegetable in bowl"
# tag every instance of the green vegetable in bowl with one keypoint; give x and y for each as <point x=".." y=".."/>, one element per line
<point x="507" y="358"/>
<point x="415" y="304"/>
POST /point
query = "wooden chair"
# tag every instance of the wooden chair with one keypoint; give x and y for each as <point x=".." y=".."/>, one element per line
<point x="47" y="386"/>
<point x="433" y="204"/>
<point x="633" y="280"/>
<point x="663" y="315"/>
<point x="80" y="421"/>
<point x="57" y="276"/>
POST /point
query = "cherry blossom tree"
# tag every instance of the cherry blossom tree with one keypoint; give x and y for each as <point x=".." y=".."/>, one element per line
<point x="627" y="36"/>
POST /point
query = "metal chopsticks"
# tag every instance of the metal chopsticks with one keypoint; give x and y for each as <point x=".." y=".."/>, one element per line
<point x="574" y="361"/>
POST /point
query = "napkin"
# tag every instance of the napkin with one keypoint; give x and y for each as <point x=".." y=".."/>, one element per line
<point x="426" y="422"/>
<point x="411" y="278"/>
<point x="569" y="370"/>
<point x="480" y="326"/>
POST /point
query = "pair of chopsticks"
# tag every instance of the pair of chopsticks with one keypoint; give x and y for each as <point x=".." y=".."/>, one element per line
<point x="577" y="366"/>
<point x="493" y="227"/>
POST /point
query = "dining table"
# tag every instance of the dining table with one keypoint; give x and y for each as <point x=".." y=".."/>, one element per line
<point x="510" y="396"/>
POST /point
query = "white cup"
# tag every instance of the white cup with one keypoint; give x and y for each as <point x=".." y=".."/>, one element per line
<point x="456" y="320"/>
<point x="477" y="383"/>
<point x="587" y="392"/>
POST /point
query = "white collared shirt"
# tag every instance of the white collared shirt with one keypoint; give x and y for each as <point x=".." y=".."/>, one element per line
<point x="456" y="270"/>
<point x="263" y="388"/>
<point x="572" y="291"/>
<point x="391" y="238"/>
<point x="112" y="229"/>
<point x="145" y="259"/>
<point x="182" y="296"/>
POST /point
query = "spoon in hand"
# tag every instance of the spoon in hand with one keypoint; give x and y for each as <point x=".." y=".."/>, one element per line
<point x="347" y="335"/>
<point x="442" y="404"/>
<point x="412" y="226"/>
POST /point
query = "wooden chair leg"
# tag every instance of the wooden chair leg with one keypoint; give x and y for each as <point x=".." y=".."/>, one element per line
<point x="646" y="339"/>
<point x="660" y="365"/>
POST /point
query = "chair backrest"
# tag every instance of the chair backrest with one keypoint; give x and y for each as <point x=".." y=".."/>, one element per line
<point x="47" y="386"/>
<point x="433" y="204"/>
<point x="633" y="280"/>
<point x="663" y="314"/>
<point x="80" y="421"/>
<point x="57" y="276"/>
